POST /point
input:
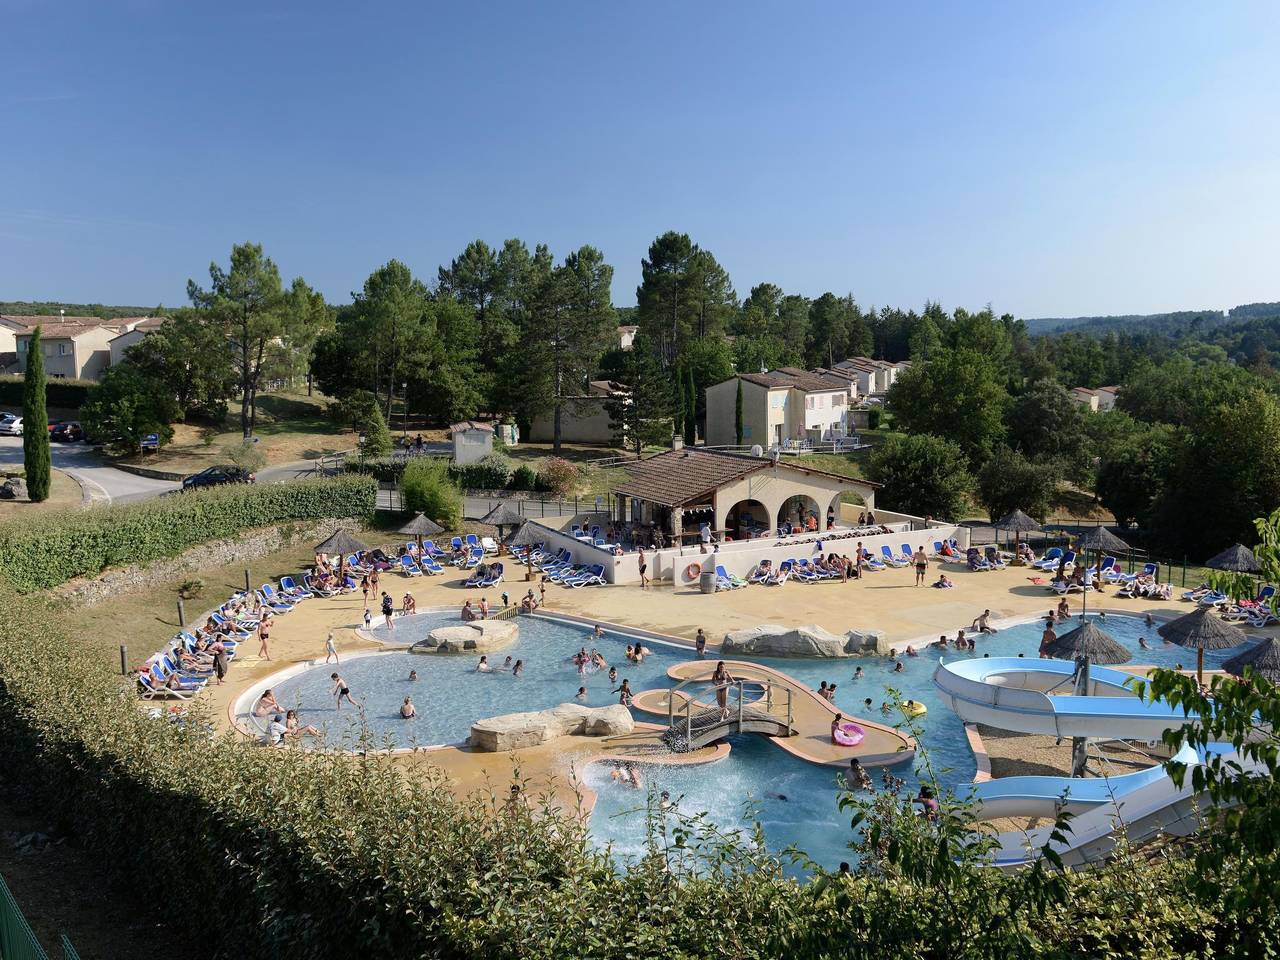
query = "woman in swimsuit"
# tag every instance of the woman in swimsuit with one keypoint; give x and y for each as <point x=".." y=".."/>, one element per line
<point x="721" y="678"/>
<point x="294" y="728"/>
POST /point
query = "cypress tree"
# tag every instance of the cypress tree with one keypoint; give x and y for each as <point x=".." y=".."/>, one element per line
<point x="737" y="413"/>
<point x="35" y="420"/>
<point x="690" y="409"/>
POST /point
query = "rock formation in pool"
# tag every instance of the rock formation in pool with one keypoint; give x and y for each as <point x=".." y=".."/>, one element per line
<point x="479" y="636"/>
<point x="772" y="640"/>
<point x="513" y="731"/>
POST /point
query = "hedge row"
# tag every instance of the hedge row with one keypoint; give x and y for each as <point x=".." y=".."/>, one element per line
<point x="70" y="394"/>
<point x="306" y="854"/>
<point x="473" y="476"/>
<point x="36" y="556"/>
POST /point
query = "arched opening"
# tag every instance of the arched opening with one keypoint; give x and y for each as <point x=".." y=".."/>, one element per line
<point x="845" y="507"/>
<point x="800" y="512"/>
<point x="747" y="519"/>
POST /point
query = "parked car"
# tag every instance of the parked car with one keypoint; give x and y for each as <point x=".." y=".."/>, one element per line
<point x="217" y="476"/>
<point x="11" y="426"/>
<point x="68" y="431"/>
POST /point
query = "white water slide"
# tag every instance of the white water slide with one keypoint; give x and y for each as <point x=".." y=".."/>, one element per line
<point x="1036" y="696"/>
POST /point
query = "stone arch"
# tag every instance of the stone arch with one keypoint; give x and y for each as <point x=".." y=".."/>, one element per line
<point x="745" y="517"/>
<point x="857" y="501"/>
<point x="798" y="505"/>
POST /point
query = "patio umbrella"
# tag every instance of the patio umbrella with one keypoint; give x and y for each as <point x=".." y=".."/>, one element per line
<point x="421" y="526"/>
<point x="1201" y="630"/>
<point x="527" y="536"/>
<point x="1019" y="523"/>
<point x="1238" y="559"/>
<point x="1264" y="657"/>
<point x="1103" y="540"/>
<point x="1086" y="644"/>
<point x="341" y="542"/>
<point x="502" y="516"/>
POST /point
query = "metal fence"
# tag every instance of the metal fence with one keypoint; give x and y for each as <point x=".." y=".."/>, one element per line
<point x="17" y="941"/>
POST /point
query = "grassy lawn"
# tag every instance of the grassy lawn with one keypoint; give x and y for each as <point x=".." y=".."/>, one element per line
<point x="290" y="427"/>
<point x="64" y="494"/>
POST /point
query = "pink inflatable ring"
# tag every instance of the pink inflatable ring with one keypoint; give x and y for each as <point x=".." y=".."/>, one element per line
<point x="849" y="734"/>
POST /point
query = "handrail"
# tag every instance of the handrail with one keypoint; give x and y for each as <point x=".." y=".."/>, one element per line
<point x="687" y="707"/>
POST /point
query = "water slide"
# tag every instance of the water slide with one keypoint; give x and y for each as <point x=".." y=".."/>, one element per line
<point x="1037" y="697"/>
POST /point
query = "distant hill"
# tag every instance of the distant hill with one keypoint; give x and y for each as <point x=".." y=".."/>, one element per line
<point x="1181" y="321"/>
<point x="25" y="308"/>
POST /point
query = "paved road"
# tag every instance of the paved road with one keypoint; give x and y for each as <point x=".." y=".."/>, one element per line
<point x="105" y="484"/>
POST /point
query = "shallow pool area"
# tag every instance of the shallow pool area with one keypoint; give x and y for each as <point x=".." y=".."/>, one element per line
<point x="450" y="694"/>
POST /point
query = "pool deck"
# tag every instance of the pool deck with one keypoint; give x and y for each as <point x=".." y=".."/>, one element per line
<point x="885" y="601"/>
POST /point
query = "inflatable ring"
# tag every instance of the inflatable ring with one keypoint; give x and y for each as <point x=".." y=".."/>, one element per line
<point x="914" y="708"/>
<point x="848" y="735"/>
<point x="692" y="571"/>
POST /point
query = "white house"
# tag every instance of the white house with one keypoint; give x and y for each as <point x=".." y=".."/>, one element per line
<point x="123" y="341"/>
<point x="583" y="419"/>
<point x="627" y="336"/>
<point x="1097" y="401"/>
<point x="472" y="441"/>
<point x="781" y="405"/>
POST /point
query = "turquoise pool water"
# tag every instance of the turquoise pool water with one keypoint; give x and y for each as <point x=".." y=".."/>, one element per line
<point x="450" y="694"/>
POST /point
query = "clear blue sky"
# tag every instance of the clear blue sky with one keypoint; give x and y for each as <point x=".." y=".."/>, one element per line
<point x="1052" y="159"/>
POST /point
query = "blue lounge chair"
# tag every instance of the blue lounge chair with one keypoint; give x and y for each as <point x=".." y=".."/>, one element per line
<point x="592" y="576"/>
<point x="1148" y="570"/>
<point x="315" y="588"/>
<point x="762" y="572"/>
<point x="151" y="689"/>
<point x="289" y="588"/>
<point x="993" y="557"/>
<point x="473" y="558"/>
<point x="473" y="540"/>
<point x="975" y="561"/>
<point x="274" y="600"/>
<point x="736" y="581"/>
<point x="494" y="577"/>
<point x="408" y="567"/>
<point x="887" y="552"/>
<point x="871" y="562"/>
<point x="1049" y="560"/>
<point x="803" y="571"/>
<point x="783" y="574"/>
<point x="906" y="553"/>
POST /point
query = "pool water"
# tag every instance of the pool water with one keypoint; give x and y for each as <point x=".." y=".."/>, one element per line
<point x="450" y="695"/>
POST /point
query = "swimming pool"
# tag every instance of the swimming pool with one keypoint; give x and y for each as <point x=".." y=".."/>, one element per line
<point x="450" y="695"/>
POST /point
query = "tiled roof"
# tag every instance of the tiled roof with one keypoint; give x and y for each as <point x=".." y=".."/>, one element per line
<point x="794" y="377"/>
<point x="144" y="324"/>
<point x="64" y="326"/>
<point x="678" y="477"/>
<point x="471" y="425"/>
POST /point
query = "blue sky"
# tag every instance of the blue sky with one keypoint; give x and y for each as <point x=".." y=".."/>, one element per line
<point x="1051" y="159"/>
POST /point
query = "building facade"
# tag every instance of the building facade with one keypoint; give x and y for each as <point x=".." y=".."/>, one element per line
<point x="778" y="407"/>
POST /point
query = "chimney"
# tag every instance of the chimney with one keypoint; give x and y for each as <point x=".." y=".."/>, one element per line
<point x="677" y="441"/>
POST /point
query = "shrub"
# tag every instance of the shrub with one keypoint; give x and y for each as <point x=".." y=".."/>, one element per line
<point x="524" y="478"/>
<point x="190" y="589"/>
<point x="84" y="543"/>
<point x="922" y="475"/>
<point x="246" y="456"/>
<point x="558" y="476"/>
<point x="491" y="473"/>
<point x="383" y="469"/>
<point x="1009" y="481"/>
<point x="426" y="485"/>
<point x="873" y="418"/>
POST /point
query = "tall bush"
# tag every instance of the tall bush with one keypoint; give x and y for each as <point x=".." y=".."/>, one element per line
<point x="35" y="417"/>
<point x="922" y="475"/>
<point x="426" y="485"/>
<point x="558" y="476"/>
<point x="84" y="543"/>
<point x="491" y="473"/>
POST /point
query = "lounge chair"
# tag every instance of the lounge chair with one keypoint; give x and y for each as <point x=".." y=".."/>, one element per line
<point x="762" y="572"/>
<point x="734" y="580"/>
<point x="871" y="562"/>
<point x="456" y="544"/>
<point x="592" y="576"/>
<point x="356" y="565"/>
<point x="907" y="554"/>
<point x="408" y="567"/>
<point x="782" y="575"/>
<point x="494" y="577"/>
<point x="290" y="589"/>
<point x="150" y="689"/>
<point x="992" y="556"/>
<point x="429" y="566"/>
<point x="1050" y="559"/>
<point x="472" y="541"/>
<point x="803" y="571"/>
<point x="1148" y="570"/>
<point x="890" y="558"/>
<point x="315" y="588"/>
<point x="975" y="561"/>
<point x="489" y="544"/>
<point x="274" y="600"/>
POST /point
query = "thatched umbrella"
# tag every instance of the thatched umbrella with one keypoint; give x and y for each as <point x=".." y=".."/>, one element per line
<point x="1264" y="657"/>
<point x="1202" y="630"/>
<point x="502" y="516"/>
<point x="527" y="536"/>
<point x="1085" y="644"/>
<point x="1019" y="523"/>
<point x="1238" y="559"/>
<point x="341" y="542"/>
<point x="421" y="526"/>
<point x="1103" y="540"/>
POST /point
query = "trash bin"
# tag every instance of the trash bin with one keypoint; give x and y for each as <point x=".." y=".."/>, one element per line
<point x="709" y="579"/>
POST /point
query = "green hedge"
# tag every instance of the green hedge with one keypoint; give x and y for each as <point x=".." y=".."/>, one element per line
<point x="293" y="854"/>
<point x="59" y="547"/>
<point x="70" y="394"/>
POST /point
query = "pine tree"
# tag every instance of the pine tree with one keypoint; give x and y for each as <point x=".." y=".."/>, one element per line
<point x="35" y="434"/>
<point x="737" y="413"/>
<point x="690" y="409"/>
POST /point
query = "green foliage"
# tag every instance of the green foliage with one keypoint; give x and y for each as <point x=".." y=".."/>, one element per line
<point x="958" y="394"/>
<point x="426" y="485"/>
<point x="1267" y="549"/>
<point x="690" y="408"/>
<point x="36" y="458"/>
<point x="1134" y="463"/>
<point x="1046" y="425"/>
<point x="86" y="542"/>
<point x="523" y="478"/>
<point x="492" y="473"/>
<point x="641" y="416"/>
<point x="922" y="475"/>
<point x="190" y="589"/>
<point x="188" y="360"/>
<point x="873" y="418"/>
<point x="64" y="393"/>
<point x="377" y="437"/>
<point x="1009" y="481"/>
<point x="246" y="456"/>
<point x="125" y="408"/>
<point x="558" y="476"/>
<point x="1178" y="390"/>
<point x="684" y="295"/>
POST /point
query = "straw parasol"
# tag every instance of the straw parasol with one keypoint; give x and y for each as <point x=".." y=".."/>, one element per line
<point x="502" y="516"/>
<point x="1264" y="657"/>
<point x="1085" y="644"/>
<point x="1201" y="630"/>
<point x="421" y="526"/>
<point x="527" y="536"/>
<point x="1019" y="523"/>
<point x="341" y="542"/>
<point x="1088" y="642"/>
<point x="1238" y="559"/>
<point x="1103" y="540"/>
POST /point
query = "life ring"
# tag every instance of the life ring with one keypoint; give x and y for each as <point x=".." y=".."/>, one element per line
<point x="914" y="708"/>
<point x="692" y="571"/>
<point x="848" y="735"/>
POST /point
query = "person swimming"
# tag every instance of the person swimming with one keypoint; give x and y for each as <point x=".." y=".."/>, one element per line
<point x="581" y="694"/>
<point x="483" y="666"/>
<point x="857" y="674"/>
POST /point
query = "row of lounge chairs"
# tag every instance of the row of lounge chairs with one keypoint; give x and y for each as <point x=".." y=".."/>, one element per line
<point x="559" y="567"/>
<point x="1257" y="613"/>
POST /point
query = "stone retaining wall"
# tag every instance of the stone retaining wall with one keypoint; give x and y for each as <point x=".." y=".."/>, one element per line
<point x="247" y="547"/>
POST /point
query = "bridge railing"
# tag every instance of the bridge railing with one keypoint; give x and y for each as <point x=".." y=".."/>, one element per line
<point x="684" y="717"/>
